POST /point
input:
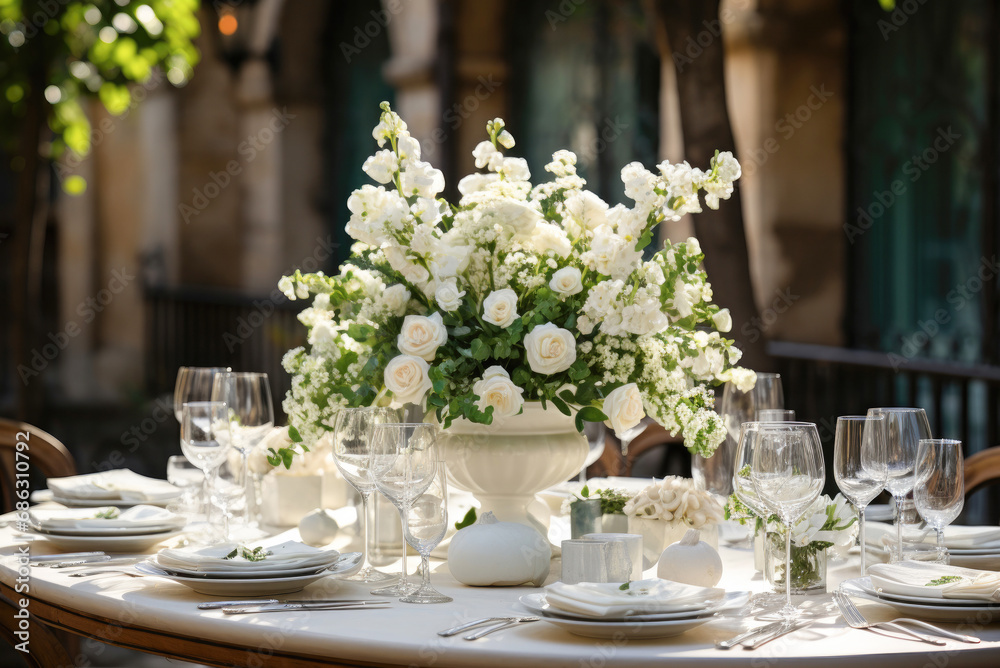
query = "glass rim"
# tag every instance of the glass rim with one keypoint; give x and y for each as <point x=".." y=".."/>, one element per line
<point x="860" y="417"/>
<point x="940" y="441"/>
<point x="898" y="409"/>
<point x="779" y="423"/>
<point x="209" y="368"/>
<point x="189" y="404"/>
<point x="248" y="374"/>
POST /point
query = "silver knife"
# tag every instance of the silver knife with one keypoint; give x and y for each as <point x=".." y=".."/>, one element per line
<point x="747" y="635"/>
<point x="218" y="605"/>
<point x="774" y="635"/>
<point x="281" y="607"/>
<point x="46" y="559"/>
<point x="97" y="561"/>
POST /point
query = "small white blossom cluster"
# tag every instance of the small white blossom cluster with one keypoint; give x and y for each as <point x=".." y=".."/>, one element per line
<point x="516" y="293"/>
<point x="827" y="523"/>
<point x="675" y="499"/>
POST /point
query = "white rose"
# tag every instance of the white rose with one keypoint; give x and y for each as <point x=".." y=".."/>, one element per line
<point x="496" y="389"/>
<point x="448" y="296"/>
<point x="500" y="307"/>
<point x="623" y="406"/>
<point x="396" y="297"/>
<point x="567" y="281"/>
<point x="407" y="379"/>
<point x="723" y="321"/>
<point x="421" y="336"/>
<point x="550" y="349"/>
<point x="547" y="236"/>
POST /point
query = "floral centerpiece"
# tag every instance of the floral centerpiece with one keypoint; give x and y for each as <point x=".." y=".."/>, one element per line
<point x="516" y="293"/>
<point x="664" y="511"/>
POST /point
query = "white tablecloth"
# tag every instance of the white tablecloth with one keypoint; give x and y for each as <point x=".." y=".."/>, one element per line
<point x="406" y="634"/>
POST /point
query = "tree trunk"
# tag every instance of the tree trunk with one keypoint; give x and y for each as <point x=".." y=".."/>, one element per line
<point x="701" y="89"/>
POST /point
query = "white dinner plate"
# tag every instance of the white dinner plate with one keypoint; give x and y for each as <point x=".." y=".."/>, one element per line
<point x="865" y="584"/>
<point x="346" y="565"/>
<point x="139" y="543"/>
<point x="244" y="574"/>
<point x="983" y="562"/>
<point x="977" y="551"/>
<point x="970" y="614"/>
<point x="630" y="629"/>
<point x="43" y="495"/>
<point x="112" y="531"/>
<point x="734" y="599"/>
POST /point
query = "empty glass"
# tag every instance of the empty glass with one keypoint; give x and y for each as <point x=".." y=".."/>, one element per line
<point x="403" y="464"/>
<point x="775" y="415"/>
<point x="904" y="429"/>
<point x="205" y="439"/>
<point x="194" y="383"/>
<point x="352" y="453"/>
<point x="426" y="524"/>
<point x="859" y="464"/>
<point x="189" y="478"/>
<point x="788" y="473"/>
<point x="939" y="492"/>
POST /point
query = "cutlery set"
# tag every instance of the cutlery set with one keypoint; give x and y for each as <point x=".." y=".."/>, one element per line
<point x="492" y="624"/>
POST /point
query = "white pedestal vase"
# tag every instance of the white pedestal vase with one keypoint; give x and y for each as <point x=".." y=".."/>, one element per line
<point x="506" y="463"/>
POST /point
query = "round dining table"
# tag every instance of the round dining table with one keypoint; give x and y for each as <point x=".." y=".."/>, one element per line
<point x="159" y="616"/>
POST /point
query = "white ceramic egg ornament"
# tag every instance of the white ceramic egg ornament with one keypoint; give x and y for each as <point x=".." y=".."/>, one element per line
<point x="691" y="561"/>
<point x="491" y="553"/>
<point x="318" y="527"/>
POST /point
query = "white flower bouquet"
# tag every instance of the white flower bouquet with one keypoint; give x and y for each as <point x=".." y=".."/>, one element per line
<point x="516" y="293"/>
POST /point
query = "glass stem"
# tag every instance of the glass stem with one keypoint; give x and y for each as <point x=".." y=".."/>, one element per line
<point x="940" y="544"/>
<point x="861" y="535"/>
<point x="364" y="531"/>
<point x="402" y="533"/>
<point x="898" y="501"/>
<point x="788" y="566"/>
<point x="425" y="582"/>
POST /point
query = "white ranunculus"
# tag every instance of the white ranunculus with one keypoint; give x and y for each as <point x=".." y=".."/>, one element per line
<point x="623" y="406"/>
<point x="381" y="166"/>
<point x="396" y="297"/>
<point x="496" y="389"/>
<point x="550" y="349"/>
<point x="421" y="336"/>
<point x="500" y="307"/>
<point x="723" y="321"/>
<point x="448" y="296"/>
<point x="407" y="379"/>
<point x="567" y="281"/>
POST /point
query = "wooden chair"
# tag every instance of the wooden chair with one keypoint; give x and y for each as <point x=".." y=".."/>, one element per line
<point x="44" y="454"/>
<point x="981" y="469"/>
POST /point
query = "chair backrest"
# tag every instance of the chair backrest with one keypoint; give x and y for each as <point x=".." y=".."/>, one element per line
<point x="27" y="449"/>
<point x="982" y="468"/>
<point x="613" y="463"/>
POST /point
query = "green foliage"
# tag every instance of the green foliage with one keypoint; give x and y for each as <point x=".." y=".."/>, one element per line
<point x="114" y="50"/>
<point x="468" y="520"/>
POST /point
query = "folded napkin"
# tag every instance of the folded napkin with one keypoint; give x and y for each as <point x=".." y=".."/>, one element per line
<point x="955" y="537"/>
<point x="137" y="517"/>
<point x="116" y="485"/>
<point x="920" y="578"/>
<point x="284" y="554"/>
<point x="607" y="599"/>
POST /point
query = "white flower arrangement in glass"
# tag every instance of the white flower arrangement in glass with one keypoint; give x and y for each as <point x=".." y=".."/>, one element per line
<point x="516" y="293"/>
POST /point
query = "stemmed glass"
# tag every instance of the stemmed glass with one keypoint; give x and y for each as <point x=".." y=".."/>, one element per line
<point x="788" y="473"/>
<point x="904" y="429"/>
<point x="403" y="464"/>
<point x="775" y="415"/>
<point x="194" y="383"/>
<point x="426" y="525"/>
<point x="939" y="492"/>
<point x="352" y="453"/>
<point x="251" y="416"/>
<point x="205" y="438"/>
<point x="859" y="464"/>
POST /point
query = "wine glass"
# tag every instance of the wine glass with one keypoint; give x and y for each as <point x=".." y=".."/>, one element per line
<point x="352" y="455"/>
<point x="251" y="416"/>
<point x="859" y="464"/>
<point x="775" y="415"/>
<point x="939" y="491"/>
<point x="426" y="525"/>
<point x="205" y="439"/>
<point x="189" y="478"/>
<point x="194" y="383"/>
<point x="904" y="429"/>
<point x="228" y="497"/>
<point x="768" y="391"/>
<point x="403" y="463"/>
<point x="788" y="473"/>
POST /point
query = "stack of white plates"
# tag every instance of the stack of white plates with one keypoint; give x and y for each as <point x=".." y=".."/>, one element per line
<point x="968" y="546"/>
<point x="105" y="528"/>
<point x="931" y="608"/>
<point x="648" y="623"/>
<point x="119" y="487"/>
<point x="287" y="566"/>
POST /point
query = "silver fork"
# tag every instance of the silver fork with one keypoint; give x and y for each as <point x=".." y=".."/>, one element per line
<point x="506" y="625"/>
<point x="856" y="620"/>
<point x="454" y="631"/>
<point x="104" y="571"/>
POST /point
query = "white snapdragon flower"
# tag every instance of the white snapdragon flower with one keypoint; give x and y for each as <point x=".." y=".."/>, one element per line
<point x="587" y="209"/>
<point x="406" y="376"/>
<point x="448" y="296"/>
<point x="685" y="297"/>
<point x="389" y="124"/>
<point x="644" y="317"/>
<point x="496" y="389"/>
<point x="550" y="349"/>
<point x="476" y="182"/>
<point x="396" y="298"/>
<point x="287" y="287"/>
<point x="515" y="169"/>
<point x="373" y="211"/>
<point x="323" y="336"/>
<point x="506" y="140"/>
<point x="563" y="164"/>
<point x="301" y="291"/>
<point x="408" y="148"/>
<point x="421" y="179"/>
<point x="411" y="271"/>
<point x="743" y="379"/>
<point x="487" y="155"/>
<point x="382" y="166"/>
<point x="601" y="298"/>
<point x="566" y="282"/>
<point x="421" y="336"/>
<point x="585" y="326"/>
<point x="612" y="255"/>
<point x="550" y="237"/>
<point x="693" y="246"/>
<point x="623" y="406"/>
<point x="519" y="217"/>
<point x="728" y="167"/>
<point x="723" y="320"/>
<point x="500" y="308"/>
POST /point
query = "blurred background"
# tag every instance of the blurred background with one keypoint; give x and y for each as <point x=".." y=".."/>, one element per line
<point x="164" y="163"/>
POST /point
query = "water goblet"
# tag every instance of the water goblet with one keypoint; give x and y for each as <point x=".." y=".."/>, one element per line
<point x="939" y="491"/>
<point x="859" y="464"/>
<point x="426" y="525"/>
<point x="205" y="439"/>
